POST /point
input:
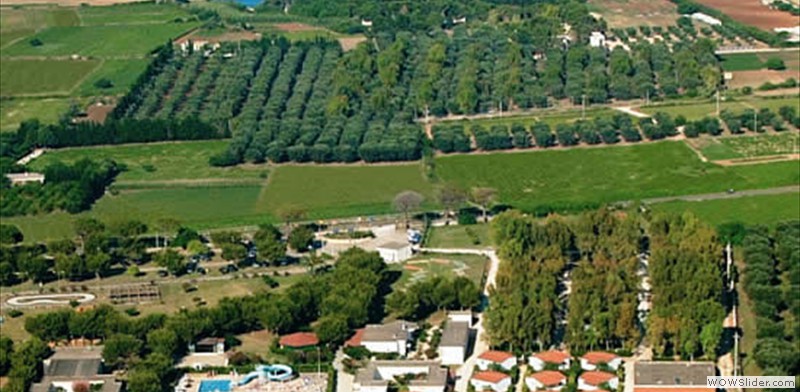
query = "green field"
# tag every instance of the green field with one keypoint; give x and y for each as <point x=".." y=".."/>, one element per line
<point x="109" y="40"/>
<point x="17" y="23"/>
<point x="697" y="110"/>
<point x="766" y="209"/>
<point x="48" y="110"/>
<point x="456" y="236"/>
<point x="435" y="264"/>
<point x="741" y="62"/>
<point x="122" y="73"/>
<point x="135" y="13"/>
<point x="577" y="177"/>
<point x="20" y="77"/>
<point x="551" y="118"/>
<point x="748" y="146"/>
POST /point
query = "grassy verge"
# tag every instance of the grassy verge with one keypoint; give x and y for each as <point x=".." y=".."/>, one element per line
<point x="767" y="209"/>
<point x="457" y="236"/>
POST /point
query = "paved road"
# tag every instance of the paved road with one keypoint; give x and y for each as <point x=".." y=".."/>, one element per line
<point x="725" y="195"/>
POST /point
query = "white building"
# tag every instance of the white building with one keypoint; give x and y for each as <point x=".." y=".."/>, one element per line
<point x="491" y="380"/>
<point x="594" y="380"/>
<point x="375" y="377"/>
<point x="454" y="343"/>
<point x="793" y="32"/>
<point x="395" y="252"/>
<point x="550" y="380"/>
<point x="708" y="19"/>
<point x="462" y="316"/>
<point x="561" y="359"/>
<point x="681" y="376"/>
<point x="592" y="359"/>
<point x="597" y="39"/>
<point x="394" y="337"/>
<point x="503" y="359"/>
<point x="24" y="178"/>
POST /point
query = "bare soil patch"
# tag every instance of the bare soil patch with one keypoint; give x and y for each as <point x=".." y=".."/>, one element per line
<point x="753" y="12"/>
<point x="759" y="77"/>
<point x="350" y="43"/>
<point x="98" y="112"/>
<point x="294" y="27"/>
<point x="627" y="13"/>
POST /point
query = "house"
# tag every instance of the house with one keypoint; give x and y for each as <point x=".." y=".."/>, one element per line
<point x="464" y="316"/>
<point x="428" y="376"/>
<point x="597" y="39"/>
<point x="556" y="358"/>
<point x="454" y="343"/>
<point x="491" y="380"/>
<point x="70" y="368"/>
<point x="395" y="252"/>
<point x="594" y="380"/>
<point x="24" y="178"/>
<point x="460" y="20"/>
<point x="299" y="340"/>
<point x="681" y="376"/>
<point x="394" y="337"/>
<point x="550" y="380"/>
<point x="208" y="346"/>
<point x="502" y="359"/>
<point x="592" y="359"/>
<point x="708" y="19"/>
<point x="196" y="45"/>
<point x="366" y="22"/>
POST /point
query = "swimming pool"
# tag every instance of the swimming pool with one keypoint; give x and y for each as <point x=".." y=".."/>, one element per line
<point x="215" y="386"/>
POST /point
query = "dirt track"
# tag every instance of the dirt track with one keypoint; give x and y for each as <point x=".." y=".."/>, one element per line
<point x="726" y="195"/>
<point x="752" y="12"/>
<point x="74" y="3"/>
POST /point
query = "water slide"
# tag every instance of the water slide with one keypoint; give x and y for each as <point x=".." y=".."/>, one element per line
<point x="270" y="372"/>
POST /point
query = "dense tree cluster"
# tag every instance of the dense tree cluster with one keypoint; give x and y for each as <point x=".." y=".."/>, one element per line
<point x="422" y="298"/>
<point x="686" y="276"/>
<point x="72" y="188"/>
<point x="772" y="281"/>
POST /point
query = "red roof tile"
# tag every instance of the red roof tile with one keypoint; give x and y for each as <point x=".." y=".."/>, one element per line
<point x="299" y="339"/>
<point x="355" y="340"/>
<point x="552" y="356"/>
<point x="596" y="378"/>
<point x="670" y="389"/>
<point x="595" y="357"/>
<point x="496" y="356"/>
<point x="549" y="377"/>
<point x="490" y="376"/>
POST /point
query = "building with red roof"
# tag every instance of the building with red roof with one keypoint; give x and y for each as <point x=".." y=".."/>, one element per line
<point x="594" y="380"/>
<point x="355" y="340"/>
<point x="299" y="340"/>
<point x="504" y="359"/>
<point x="491" y="380"/>
<point x="592" y="359"/>
<point x="546" y="380"/>
<point x="540" y="360"/>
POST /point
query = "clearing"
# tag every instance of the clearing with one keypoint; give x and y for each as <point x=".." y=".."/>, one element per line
<point x="634" y="13"/>
<point x="750" y="210"/>
<point x="753" y="12"/>
<point x="747" y="146"/>
<point x="459" y="236"/>
<point x="434" y="264"/>
<point x="47" y="110"/>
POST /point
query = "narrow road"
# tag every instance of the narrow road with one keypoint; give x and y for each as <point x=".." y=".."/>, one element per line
<point x="726" y="195"/>
<point x="631" y="112"/>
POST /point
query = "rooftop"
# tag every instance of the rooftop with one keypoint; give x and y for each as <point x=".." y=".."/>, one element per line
<point x="596" y="357"/>
<point x="355" y="340"/>
<point x="552" y="356"/>
<point x="393" y="245"/>
<point x="395" y="330"/>
<point x="672" y="373"/>
<point x="549" y="377"/>
<point x="596" y="378"/>
<point x="379" y="373"/>
<point x="496" y="356"/>
<point x="490" y="376"/>
<point x="299" y="339"/>
<point x="456" y="333"/>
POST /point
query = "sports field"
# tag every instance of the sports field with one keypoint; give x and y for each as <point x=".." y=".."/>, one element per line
<point x="29" y="77"/>
<point x="435" y="264"/>
<point x="768" y="209"/>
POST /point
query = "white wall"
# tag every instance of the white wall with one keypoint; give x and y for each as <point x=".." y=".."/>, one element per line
<point x="389" y="372"/>
<point x="395" y="255"/>
<point x="379" y="388"/>
<point x="613" y="364"/>
<point x="461" y="318"/>
<point x="484" y="364"/>
<point x="538" y="365"/>
<point x="534" y="384"/>
<point x="390" y="346"/>
<point x="427" y="388"/>
<point x="451" y="355"/>
<point x="501" y="386"/>
<point x="583" y="386"/>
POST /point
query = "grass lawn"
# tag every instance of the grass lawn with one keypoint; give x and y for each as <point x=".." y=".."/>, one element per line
<point x="715" y="148"/>
<point x="159" y="162"/>
<point x="134" y="13"/>
<point x="456" y="236"/>
<point x="551" y="118"/>
<point x="433" y="264"/>
<point x="581" y="177"/>
<point x="338" y="191"/>
<point x="47" y="110"/>
<point x="741" y="62"/>
<point x="43" y="76"/>
<point x="98" y="41"/>
<point x="764" y="209"/>
<point x="33" y="18"/>
<point x="694" y="111"/>
<point x="122" y="73"/>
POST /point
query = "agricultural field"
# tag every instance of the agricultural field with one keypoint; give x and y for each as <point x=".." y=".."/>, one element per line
<point x="756" y="61"/>
<point x="569" y="179"/>
<point x="752" y="12"/>
<point x="633" y="13"/>
<point x="445" y="265"/>
<point x="751" y="210"/>
<point x="459" y="236"/>
<point x="121" y="73"/>
<point x="747" y="146"/>
<point x="694" y="111"/>
<point x="48" y="110"/>
<point x="32" y="77"/>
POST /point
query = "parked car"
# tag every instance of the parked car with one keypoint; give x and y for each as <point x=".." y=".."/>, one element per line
<point x="230" y="268"/>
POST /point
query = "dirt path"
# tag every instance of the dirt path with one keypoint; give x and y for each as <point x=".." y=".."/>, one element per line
<point x="631" y="111"/>
<point x="726" y="195"/>
<point x="757" y="160"/>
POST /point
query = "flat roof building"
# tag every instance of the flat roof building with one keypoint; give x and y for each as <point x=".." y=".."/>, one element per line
<point x="429" y="376"/>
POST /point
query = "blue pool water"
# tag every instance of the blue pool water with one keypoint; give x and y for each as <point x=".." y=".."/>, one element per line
<point x="249" y="3"/>
<point x="215" y="386"/>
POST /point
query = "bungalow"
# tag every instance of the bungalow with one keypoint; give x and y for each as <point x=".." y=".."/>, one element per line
<point x="208" y="346"/>
<point x="454" y="343"/>
<point x="394" y="337"/>
<point x="559" y="358"/>
<point x="503" y="359"/>
<point x="550" y="380"/>
<point x="491" y="380"/>
<point x="299" y="340"/>
<point x="594" y="380"/>
<point x="395" y="252"/>
<point x="25" y="178"/>
<point x="592" y="359"/>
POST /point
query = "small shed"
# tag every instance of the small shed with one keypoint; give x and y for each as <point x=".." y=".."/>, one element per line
<point x="208" y="345"/>
<point x="395" y="252"/>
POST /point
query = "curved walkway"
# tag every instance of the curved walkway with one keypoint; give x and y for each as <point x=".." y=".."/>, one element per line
<point x="50" y="299"/>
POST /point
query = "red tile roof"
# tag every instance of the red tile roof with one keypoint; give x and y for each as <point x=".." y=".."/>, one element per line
<point x="490" y="376"/>
<point x="595" y="357"/>
<point x="549" y="377"/>
<point x="496" y="356"/>
<point x="596" y="378"/>
<point x="299" y="339"/>
<point x="670" y="389"/>
<point x="552" y="356"/>
<point x="355" y="340"/>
